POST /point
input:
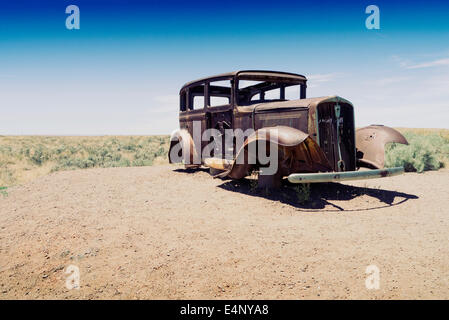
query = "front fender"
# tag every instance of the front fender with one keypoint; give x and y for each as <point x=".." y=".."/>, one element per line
<point x="370" y="144"/>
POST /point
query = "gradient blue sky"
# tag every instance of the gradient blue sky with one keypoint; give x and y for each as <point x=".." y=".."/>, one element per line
<point x="121" y="72"/>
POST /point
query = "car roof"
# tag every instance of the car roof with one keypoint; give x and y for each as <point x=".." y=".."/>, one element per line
<point x="249" y="73"/>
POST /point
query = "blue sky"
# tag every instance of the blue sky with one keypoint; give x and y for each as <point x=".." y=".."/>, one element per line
<point x="121" y="72"/>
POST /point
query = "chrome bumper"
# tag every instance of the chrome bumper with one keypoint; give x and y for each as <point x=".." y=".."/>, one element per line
<point x="344" y="176"/>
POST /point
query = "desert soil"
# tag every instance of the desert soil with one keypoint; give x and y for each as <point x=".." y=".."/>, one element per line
<point x="162" y="232"/>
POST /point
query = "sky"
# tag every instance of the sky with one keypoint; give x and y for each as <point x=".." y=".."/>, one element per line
<point x="121" y="72"/>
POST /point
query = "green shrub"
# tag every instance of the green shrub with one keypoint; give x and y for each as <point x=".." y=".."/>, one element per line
<point x="302" y="192"/>
<point x="3" y="191"/>
<point x="142" y="162"/>
<point x="160" y="152"/>
<point x="39" y="155"/>
<point x="118" y="163"/>
<point x="424" y="152"/>
<point x="7" y="176"/>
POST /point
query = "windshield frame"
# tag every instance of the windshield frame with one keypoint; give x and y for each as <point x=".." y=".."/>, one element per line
<point x="267" y="83"/>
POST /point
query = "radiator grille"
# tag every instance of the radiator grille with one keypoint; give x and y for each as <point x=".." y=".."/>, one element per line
<point x="328" y="135"/>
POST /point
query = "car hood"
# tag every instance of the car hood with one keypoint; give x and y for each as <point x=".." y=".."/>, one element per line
<point x="295" y="104"/>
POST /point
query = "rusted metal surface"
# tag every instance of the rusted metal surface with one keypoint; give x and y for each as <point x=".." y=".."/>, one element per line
<point x="247" y="74"/>
<point x="371" y="143"/>
<point x="310" y="134"/>
<point x="190" y="158"/>
<point x="296" y="152"/>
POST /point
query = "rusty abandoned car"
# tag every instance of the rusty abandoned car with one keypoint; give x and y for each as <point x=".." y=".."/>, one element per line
<point x="315" y="138"/>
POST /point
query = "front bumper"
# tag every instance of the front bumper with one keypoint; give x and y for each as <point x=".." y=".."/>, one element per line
<point x="344" y="176"/>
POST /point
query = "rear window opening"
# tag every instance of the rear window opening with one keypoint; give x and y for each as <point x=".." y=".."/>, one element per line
<point x="196" y="97"/>
<point x="219" y="93"/>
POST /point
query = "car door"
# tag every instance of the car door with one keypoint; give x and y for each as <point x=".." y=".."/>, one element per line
<point x="193" y="115"/>
<point x="219" y="115"/>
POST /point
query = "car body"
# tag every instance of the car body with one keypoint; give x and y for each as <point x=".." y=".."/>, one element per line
<point x="315" y="138"/>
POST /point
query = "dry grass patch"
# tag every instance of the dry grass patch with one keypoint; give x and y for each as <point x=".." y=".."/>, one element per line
<point x="23" y="158"/>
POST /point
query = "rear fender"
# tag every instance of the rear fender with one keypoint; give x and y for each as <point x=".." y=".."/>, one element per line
<point x="370" y="144"/>
<point x="183" y="150"/>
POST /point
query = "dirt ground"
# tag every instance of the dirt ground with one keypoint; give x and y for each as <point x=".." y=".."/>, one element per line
<point x="163" y="232"/>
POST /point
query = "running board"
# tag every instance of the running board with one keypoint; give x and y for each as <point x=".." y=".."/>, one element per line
<point x="344" y="176"/>
<point x="218" y="163"/>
